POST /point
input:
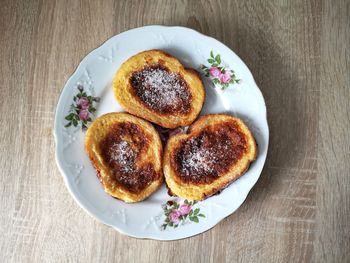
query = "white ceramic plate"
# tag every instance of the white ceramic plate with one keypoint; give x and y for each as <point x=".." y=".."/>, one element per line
<point x="93" y="77"/>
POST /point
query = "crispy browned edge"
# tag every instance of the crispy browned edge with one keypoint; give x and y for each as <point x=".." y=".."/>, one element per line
<point x="224" y="185"/>
<point x="165" y="123"/>
<point x="98" y="171"/>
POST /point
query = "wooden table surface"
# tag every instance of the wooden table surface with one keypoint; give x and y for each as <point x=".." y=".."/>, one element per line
<point x="298" y="52"/>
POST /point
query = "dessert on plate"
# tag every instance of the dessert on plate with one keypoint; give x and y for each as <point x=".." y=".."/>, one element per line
<point x="126" y="152"/>
<point x="155" y="86"/>
<point x="216" y="150"/>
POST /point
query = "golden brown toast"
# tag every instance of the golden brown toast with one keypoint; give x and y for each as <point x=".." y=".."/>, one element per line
<point x="126" y="152"/>
<point x="155" y="86"/>
<point x="216" y="150"/>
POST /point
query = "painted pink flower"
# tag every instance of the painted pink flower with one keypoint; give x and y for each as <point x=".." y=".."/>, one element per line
<point x="83" y="103"/>
<point x="214" y="71"/>
<point x="83" y="115"/>
<point x="225" y="77"/>
<point x="184" y="209"/>
<point x="174" y="216"/>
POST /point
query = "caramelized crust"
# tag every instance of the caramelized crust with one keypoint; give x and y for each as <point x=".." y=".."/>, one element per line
<point x="160" y="90"/>
<point x="209" y="154"/>
<point x="217" y="150"/>
<point x="121" y="150"/>
<point x="155" y="86"/>
<point x="126" y="153"/>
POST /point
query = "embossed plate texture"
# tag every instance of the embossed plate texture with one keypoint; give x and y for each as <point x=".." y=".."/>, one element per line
<point x="230" y="88"/>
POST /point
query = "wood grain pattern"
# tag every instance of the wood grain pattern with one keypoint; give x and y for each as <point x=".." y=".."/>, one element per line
<point x="298" y="52"/>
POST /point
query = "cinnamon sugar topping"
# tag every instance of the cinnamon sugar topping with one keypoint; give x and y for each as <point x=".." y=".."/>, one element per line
<point x="161" y="90"/>
<point x="205" y="157"/>
<point x="121" y="149"/>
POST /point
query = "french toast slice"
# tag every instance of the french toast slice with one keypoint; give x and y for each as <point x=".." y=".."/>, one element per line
<point x="216" y="150"/>
<point x="126" y="152"/>
<point x="155" y="86"/>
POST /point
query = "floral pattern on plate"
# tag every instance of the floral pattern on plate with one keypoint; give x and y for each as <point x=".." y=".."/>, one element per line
<point x="180" y="213"/>
<point x="145" y="220"/>
<point x="82" y="110"/>
<point x="219" y="74"/>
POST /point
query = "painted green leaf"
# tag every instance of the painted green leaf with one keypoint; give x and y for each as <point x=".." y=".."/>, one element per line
<point x="68" y="124"/>
<point x="75" y="122"/>
<point x="212" y="54"/>
<point x="196" y="211"/>
<point x="218" y="59"/>
<point x="195" y="219"/>
<point x="201" y="215"/>
<point x="211" y="61"/>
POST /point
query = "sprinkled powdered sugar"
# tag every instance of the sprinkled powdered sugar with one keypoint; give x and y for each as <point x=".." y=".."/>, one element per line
<point x="121" y="150"/>
<point x="204" y="158"/>
<point x="130" y="175"/>
<point x="161" y="90"/>
<point x="121" y="153"/>
<point x="199" y="159"/>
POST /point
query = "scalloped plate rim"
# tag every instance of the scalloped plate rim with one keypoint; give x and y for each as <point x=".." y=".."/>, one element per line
<point x="91" y="210"/>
